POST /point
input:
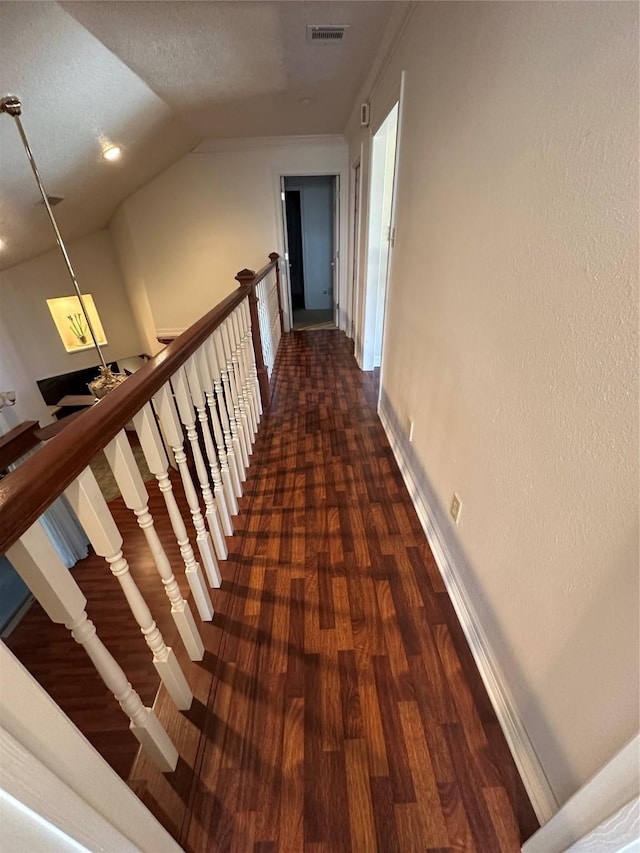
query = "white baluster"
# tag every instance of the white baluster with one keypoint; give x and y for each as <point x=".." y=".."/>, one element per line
<point x="253" y="371"/>
<point x="267" y="317"/>
<point x="233" y="385"/>
<point x="274" y="318"/>
<point x="127" y="475"/>
<point x="156" y="456"/>
<point x="94" y="515"/>
<point x="242" y="366"/>
<point x="196" y="384"/>
<point x="243" y="424"/>
<point x="228" y="396"/>
<point x="246" y="348"/>
<point x="274" y="311"/>
<point x="263" y="337"/>
<point x="38" y="564"/>
<point x="216" y="373"/>
<point x="228" y="332"/>
<point x="166" y="408"/>
<point x="265" y="331"/>
<point x="204" y="372"/>
<point x="185" y="410"/>
<point x="234" y="345"/>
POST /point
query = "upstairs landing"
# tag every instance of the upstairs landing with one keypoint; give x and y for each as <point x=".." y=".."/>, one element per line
<point x="338" y="707"/>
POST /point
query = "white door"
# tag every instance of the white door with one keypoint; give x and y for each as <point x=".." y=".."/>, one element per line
<point x="383" y="167"/>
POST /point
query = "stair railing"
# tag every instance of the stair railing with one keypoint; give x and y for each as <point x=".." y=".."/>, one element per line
<point x="203" y="391"/>
<point x="267" y="321"/>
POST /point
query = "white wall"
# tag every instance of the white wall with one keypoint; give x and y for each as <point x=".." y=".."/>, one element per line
<point x="511" y="341"/>
<point x="214" y="212"/>
<point x="15" y="377"/>
<point x="30" y="347"/>
<point x="134" y="281"/>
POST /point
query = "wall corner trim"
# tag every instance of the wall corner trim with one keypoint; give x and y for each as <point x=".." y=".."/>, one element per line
<point x="424" y="500"/>
<point x="170" y="332"/>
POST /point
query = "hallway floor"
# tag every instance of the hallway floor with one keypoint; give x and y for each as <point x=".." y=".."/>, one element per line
<point x="312" y="319"/>
<point x="345" y="712"/>
<point x="338" y="707"/>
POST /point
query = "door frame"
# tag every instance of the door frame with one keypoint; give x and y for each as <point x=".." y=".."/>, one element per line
<point x="335" y="272"/>
<point x="339" y="295"/>
<point x="379" y="112"/>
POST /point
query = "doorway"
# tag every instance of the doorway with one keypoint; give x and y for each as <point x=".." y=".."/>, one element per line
<point x="310" y="223"/>
<point x="381" y="237"/>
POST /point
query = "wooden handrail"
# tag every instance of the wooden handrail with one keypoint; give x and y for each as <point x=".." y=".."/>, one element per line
<point x="27" y="492"/>
<point x="266" y="269"/>
<point x="17" y="442"/>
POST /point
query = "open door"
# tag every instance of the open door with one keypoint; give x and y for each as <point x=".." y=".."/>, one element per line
<point x="311" y="223"/>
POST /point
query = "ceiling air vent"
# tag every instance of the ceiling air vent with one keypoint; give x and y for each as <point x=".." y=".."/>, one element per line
<point x="53" y="200"/>
<point x="326" y="34"/>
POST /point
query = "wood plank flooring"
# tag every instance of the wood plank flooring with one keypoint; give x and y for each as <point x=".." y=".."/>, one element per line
<point x="338" y="707"/>
<point x="345" y="711"/>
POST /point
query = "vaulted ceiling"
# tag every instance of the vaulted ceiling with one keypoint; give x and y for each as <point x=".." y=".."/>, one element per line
<point x="155" y="78"/>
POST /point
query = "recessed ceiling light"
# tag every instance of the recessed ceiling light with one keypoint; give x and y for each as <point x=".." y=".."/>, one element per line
<point x="2" y="244"/>
<point x="112" y="153"/>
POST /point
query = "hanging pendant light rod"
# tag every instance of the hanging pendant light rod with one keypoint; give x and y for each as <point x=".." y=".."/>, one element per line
<point x="12" y="107"/>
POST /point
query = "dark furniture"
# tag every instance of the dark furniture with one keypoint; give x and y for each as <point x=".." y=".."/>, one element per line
<point x="55" y="389"/>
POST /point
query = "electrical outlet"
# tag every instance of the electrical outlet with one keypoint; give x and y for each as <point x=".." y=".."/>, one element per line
<point x="410" y="425"/>
<point x="456" y="507"/>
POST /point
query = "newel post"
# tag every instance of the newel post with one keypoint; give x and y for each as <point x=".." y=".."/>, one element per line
<point x="274" y="257"/>
<point x="246" y="277"/>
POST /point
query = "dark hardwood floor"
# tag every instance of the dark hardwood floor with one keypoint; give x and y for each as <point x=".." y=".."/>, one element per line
<point x="338" y="707"/>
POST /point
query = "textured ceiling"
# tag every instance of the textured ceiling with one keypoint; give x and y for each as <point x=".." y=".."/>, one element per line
<point x="156" y="78"/>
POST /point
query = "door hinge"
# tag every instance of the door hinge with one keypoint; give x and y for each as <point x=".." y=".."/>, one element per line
<point x="392" y="237"/>
<point x="286" y="256"/>
<point x="282" y="196"/>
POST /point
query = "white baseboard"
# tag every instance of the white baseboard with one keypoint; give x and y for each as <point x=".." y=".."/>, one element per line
<point x="427" y="507"/>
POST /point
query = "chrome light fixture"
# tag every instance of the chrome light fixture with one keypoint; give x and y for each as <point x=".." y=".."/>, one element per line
<point x="12" y="106"/>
